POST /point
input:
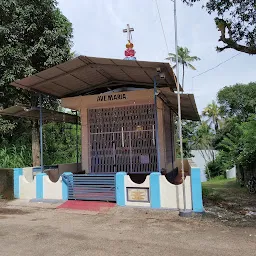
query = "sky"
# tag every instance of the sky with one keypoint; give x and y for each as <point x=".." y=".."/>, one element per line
<point x="98" y="31"/>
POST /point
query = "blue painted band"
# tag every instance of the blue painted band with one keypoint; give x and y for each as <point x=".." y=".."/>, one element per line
<point x="67" y="179"/>
<point x="120" y="188"/>
<point x="17" y="172"/>
<point x="196" y="190"/>
<point x="155" y="199"/>
<point x="40" y="185"/>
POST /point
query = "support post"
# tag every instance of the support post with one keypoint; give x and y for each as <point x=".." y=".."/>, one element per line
<point x="41" y="134"/>
<point x="67" y="180"/>
<point x="17" y="172"/>
<point x="77" y="151"/>
<point x="156" y="124"/>
<point x="155" y="197"/>
<point x="120" y="188"/>
<point x="40" y="185"/>
<point x="196" y="190"/>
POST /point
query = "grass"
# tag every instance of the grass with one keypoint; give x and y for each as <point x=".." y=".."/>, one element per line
<point x="219" y="189"/>
<point x="222" y="184"/>
<point x="226" y="200"/>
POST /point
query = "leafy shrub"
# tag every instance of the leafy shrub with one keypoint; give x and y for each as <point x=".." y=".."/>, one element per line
<point x="205" y="192"/>
<point x="216" y="168"/>
<point x="15" y="157"/>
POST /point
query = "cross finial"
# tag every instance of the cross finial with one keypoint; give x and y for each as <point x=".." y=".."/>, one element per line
<point x="128" y="30"/>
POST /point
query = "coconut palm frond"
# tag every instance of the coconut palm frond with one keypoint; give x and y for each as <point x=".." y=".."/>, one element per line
<point x="184" y="59"/>
<point x="191" y="66"/>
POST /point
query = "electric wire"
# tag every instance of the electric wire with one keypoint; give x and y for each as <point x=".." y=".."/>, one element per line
<point x="161" y="22"/>
<point x="217" y="65"/>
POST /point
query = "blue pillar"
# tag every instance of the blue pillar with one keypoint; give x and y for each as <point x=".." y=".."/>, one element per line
<point x="40" y="185"/>
<point x="67" y="179"/>
<point x="120" y="188"/>
<point x="196" y="190"/>
<point x="17" y="172"/>
<point x="155" y="199"/>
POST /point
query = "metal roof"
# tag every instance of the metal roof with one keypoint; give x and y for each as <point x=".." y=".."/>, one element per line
<point x="34" y="113"/>
<point x="89" y="75"/>
<point x="188" y="104"/>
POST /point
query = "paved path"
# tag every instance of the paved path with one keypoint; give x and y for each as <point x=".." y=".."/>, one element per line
<point x="39" y="229"/>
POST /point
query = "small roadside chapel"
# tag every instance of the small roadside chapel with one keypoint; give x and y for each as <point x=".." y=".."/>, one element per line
<point x="127" y="110"/>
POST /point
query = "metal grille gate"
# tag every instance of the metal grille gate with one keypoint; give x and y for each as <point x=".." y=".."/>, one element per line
<point x="123" y="139"/>
<point x="91" y="187"/>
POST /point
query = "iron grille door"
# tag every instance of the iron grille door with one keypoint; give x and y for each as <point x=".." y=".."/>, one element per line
<point x="100" y="187"/>
<point x="123" y="139"/>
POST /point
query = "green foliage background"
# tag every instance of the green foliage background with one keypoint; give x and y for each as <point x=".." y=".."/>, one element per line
<point x="59" y="142"/>
<point x="34" y="35"/>
<point x="235" y="140"/>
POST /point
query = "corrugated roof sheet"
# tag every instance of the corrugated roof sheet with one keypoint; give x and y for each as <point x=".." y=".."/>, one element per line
<point x="34" y="113"/>
<point x="89" y="75"/>
<point x="188" y="104"/>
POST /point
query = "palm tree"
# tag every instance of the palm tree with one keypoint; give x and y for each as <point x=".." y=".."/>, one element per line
<point x="184" y="59"/>
<point x="213" y="113"/>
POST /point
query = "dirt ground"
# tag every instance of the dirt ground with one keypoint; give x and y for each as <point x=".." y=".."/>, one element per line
<point x="40" y="229"/>
<point x="230" y="204"/>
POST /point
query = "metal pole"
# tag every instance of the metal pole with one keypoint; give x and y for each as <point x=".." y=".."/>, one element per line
<point x="179" y="105"/>
<point x="41" y="134"/>
<point x="156" y="124"/>
<point x="77" y="153"/>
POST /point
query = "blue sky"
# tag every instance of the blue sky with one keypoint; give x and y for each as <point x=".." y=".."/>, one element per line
<point x="98" y="32"/>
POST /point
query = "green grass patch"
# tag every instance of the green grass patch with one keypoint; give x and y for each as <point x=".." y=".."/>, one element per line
<point x="220" y="182"/>
<point x="220" y="189"/>
<point x="210" y="195"/>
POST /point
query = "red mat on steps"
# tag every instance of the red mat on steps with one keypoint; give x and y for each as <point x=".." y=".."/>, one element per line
<point x="86" y="205"/>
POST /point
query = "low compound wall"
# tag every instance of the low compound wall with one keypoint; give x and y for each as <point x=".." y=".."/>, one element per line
<point x="55" y="172"/>
<point x="156" y="192"/>
<point x="41" y="187"/>
<point x="171" y="196"/>
<point x="131" y="195"/>
<point x="27" y="190"/>
<point x="54" y="175"/>
<point x="6" y="183"/>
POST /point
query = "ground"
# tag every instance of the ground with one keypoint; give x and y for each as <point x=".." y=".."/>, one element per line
<point x="228" y="202"/>
<point x="41" y="229"/>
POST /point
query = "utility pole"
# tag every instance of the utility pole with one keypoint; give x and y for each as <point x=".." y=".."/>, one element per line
<point x="41" y="134"/>
<point x="183" y="213"/>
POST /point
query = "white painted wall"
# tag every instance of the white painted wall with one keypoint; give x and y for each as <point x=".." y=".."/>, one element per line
<point x="27" y="189"/>
<point x="231" y="173"/>
<point x="28" y="173"/>
<point x="199" y="160"/>
<point x="52" y="190"/>
<point x="172" y="195"/>
<point x="201" y="163"/>
<point x="129" y="183"/>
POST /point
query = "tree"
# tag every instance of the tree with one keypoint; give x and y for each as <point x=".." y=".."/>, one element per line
<point x="236" y="142"/>
<point x="236" y="21"/>
<point x="184" y="60"/>
<point x="34" y="35"/>
<point x="189" y="129"/>
<point x="212" y="112"/>
<point x="236" y="139"/>
<point x="238" y="100"/>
